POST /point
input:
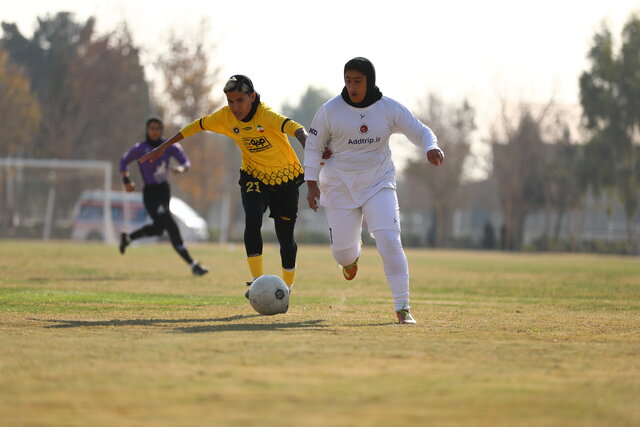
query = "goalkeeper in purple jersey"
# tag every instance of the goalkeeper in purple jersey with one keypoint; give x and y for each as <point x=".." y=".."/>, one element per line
<point x="156" y="191"/>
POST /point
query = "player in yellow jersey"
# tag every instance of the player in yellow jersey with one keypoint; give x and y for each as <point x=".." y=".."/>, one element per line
<point x="270" y="173"/>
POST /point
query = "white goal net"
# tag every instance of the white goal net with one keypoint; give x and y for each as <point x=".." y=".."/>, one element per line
<point x="39" y="198"/>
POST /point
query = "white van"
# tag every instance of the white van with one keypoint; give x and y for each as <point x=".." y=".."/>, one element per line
<point x="128" y="214"/>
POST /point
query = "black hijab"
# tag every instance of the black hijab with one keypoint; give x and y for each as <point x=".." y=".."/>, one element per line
<point x="364" y="66"/>
<point x="153" y="142"/>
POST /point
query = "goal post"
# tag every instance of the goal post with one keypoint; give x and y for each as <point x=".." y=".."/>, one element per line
<point x="12" y="166"/>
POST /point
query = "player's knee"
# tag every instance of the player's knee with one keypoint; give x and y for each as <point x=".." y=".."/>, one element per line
<point x="252" y="225"/>
<point x="288" y="247"/>
<point x="388" y="240"/>
<point x="287" y="243"/>
<point x="346" y="256"/>
<point x="156" y="228"/>
<point x="284" y="229"/>
<point x="164" y="218"/>
<point x="285" y="222"/>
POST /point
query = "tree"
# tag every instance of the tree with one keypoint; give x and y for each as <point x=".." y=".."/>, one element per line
<point x="19" y="110"/>
<point x="310" y="102"/>
<point x="188" y="84"/>
<point x="518" y="166"/>
<point x="454" y="126"/>
<point x="92" y="93"/>
<point x="610" y="98"/>
<point x="303" y="113"/>
<point x="562" y="180"/>
<point x="91" y="87"/>
<point x="20" y="114"/>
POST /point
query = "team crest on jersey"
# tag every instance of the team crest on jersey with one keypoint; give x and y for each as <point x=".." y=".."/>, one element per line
<point x="260" y="128"/>
<point x="255" y="145"/>
<point x="364" y="129"/>
<point x="236" y="130"/>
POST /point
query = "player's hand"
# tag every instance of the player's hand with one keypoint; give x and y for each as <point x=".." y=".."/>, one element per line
<point x="130" y="187"/>
<point x="326" y="154"/>
<point x="313" y="195"/>
<point x="153" y="155"/>
<point x="435" y="157"/>
<point x="178" y="169"/>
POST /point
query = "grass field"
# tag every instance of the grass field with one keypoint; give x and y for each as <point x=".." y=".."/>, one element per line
<point x="92" y="338"/>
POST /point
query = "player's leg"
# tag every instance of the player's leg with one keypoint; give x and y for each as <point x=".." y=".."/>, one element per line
<point x="288" y="247"/>
<point x="284" y="211"/>
<point x="156" y="200"/>
<point x="168" y="223"/>
<point x="255" y="199"/>
<point x="383" y="219"/>
<point x="152" y="199"/>
<point x="345" y="228"/>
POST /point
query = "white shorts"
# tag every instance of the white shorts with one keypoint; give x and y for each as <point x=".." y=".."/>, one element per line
<point x="381" y="212"/>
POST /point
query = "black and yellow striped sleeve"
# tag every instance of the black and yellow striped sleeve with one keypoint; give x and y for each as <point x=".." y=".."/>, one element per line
<point x="290" y="127"/>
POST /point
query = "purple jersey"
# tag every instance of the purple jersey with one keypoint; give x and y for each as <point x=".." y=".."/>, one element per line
<point x="156" y="172"/>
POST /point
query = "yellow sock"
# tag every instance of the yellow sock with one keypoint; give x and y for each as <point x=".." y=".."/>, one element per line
<point x="255" y="265"/>
<point x="288" y="276"/>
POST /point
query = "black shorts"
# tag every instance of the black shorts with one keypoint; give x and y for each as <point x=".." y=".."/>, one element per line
<point x="282" y="200"/>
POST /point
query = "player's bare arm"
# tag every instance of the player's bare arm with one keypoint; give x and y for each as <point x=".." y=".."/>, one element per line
<point x="301" y="136"/>
<point x="313" y="194"/>
<point x="435" y="157"/>
<point x="156" y="153"/>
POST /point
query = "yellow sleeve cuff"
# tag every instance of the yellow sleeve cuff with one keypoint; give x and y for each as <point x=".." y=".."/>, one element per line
<point x="290" y="127"/>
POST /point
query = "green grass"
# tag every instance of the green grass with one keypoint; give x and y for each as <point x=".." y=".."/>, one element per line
<point x="89" y="337"/>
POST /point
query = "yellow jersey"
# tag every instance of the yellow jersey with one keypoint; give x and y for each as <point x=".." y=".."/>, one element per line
<point x="266" y="152"/>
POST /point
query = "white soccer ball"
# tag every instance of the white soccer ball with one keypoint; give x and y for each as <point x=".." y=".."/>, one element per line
<point x="269" y="295"/>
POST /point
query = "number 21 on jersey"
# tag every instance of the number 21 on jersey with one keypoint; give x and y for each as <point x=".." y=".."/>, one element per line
<point x="253" y="186"/>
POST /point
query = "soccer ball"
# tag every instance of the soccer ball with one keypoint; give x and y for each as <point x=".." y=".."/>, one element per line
<point x="269" y="295"/>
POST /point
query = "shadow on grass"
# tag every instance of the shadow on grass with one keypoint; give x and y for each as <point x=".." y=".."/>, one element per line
<point x="136" y="322"/>
<point x="315" y="324"/>
<point x="307" y="325"/>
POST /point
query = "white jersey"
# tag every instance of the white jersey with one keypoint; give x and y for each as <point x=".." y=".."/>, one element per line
<point x="360" y="164"/>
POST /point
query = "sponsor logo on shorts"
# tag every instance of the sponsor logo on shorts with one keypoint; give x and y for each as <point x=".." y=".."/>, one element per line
<point x="255" y="145"/>
<point x="313" y="131"/>
<point x="359" y="141"/>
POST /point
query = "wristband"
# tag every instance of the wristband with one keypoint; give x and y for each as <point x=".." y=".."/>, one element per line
<point x="126" y="180"/>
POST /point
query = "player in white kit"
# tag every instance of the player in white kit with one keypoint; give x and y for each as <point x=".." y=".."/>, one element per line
<point x="358" y="180"/>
